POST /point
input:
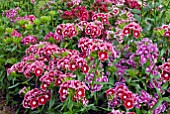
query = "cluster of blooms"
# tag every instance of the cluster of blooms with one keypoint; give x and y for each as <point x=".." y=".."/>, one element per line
<point x="11" y="14"/>
<point x="100" y="5"/>
<point x="33" y="63"/>
<point x="156" y="83"/>
<point x="90" y="79"/>
<point x="66" y="30"/>
<point x="133" y="4"/>
<point x="79" y="12"/>
<point x="147" y="100"/>
<point x="122" y="66"/>
<point x="29" y="18"/>
<point x="49" y="78"/>
<point x="76" y="2"/>
<point x="148" y="51"/>
<point x="132" y="26"/>
<point x="166" y="28"/>
<point x="165" y="75"/>
<point x="115" y="2"/>
<point x="36" y="97"/>
<point x="121" y="93"/>
<point x="37" y="54"/>
<point x="102" y="16"/>
<point x="119" y="32"/>
<point x="53" y="35"/>
<point x="92" y="45"/>
<point x="120" y="112"/>
<point x="161" y="108"/>
<point x="15" y="33"/>
<point x="76" y="89"/>
<point x="94" y="29"/>
<point x="29" y="39"/>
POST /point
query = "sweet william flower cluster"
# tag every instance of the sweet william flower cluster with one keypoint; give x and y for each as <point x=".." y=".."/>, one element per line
<point x="106" y="56"/>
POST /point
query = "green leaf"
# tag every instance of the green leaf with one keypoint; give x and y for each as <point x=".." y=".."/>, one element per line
<point x="137" y="17"/>
<point x="111" y="68"/>
<point x="52" y="101"/>
<point x="136" y="11"/>
<point x="165" y="85"/>
<point x="67" y="112"/>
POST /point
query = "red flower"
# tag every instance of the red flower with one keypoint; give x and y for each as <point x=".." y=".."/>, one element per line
<point x="74" y="98"/>
<point x="65" y="33"/>
<point x="25" y="104"/>
<point x="80" y="93"/>
<point x="110" y="92"/>
<point x="63" y="98"/>
<point x="166" y="67"/>
<point x="48" y="96"/>
<point x="165" y="75"/>
<point x="59" y="31"/>
<point x="58" y="81"/>
<point x="120" y="93"/>
<point x="94" y="47"/>
<point x="44" y="86"/>
<point x="126" y="30"/>
<point x="80" y="63"/>
<point x="105" y="20"/>
<point x="129" y="103"/>
<point x="136" y="33"/>
<point x="33" y="103"/>
<point x="85" y="68"/>
<point x="167" y="33"/>
<point x="63" y="91"/>
<point x="124" y="96"/>
<point x="42" y="100"/>
<point x="84" y="48"/>
<point x="103" y="56"/>
<point x="38" y="71"/>
<point x="73" y="66"/>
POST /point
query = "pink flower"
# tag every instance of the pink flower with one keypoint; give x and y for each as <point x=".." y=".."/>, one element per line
<point x="80" y="93"/>
<point x="136" y="33"/>
<point x="110" y="92"/>
<point x="103" y="56"/>
<point x="58" y="81"/>
<point x="38" y="72"/>
<point x="129" y="103"/>
<point x="126" y="30"/>
<point x="165" y="75"/>
<point x="167" y="34"/>
<point x="42" y="100"/>
<point x="85" y="68"/>
<point x="34" y="103"/>
<point x="15" y="33"/>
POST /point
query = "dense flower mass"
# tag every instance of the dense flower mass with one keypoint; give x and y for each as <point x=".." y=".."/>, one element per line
<point x="121" y="93"/>
<point x="86" y="56"/>
<point x="36" y="97"/>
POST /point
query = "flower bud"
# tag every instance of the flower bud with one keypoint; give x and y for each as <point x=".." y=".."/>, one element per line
<point x="52" y="13"/>
<point x="28" y="26"/>
<point x="9" y="30"/>
<point x="45" y="19"/>
<point x="37" y="22"/>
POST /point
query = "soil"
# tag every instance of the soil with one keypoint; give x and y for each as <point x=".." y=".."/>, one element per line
<point x="4" y="108"/>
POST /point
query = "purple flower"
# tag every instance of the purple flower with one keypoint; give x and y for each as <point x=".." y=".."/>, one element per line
<point x="143" y="59"/>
